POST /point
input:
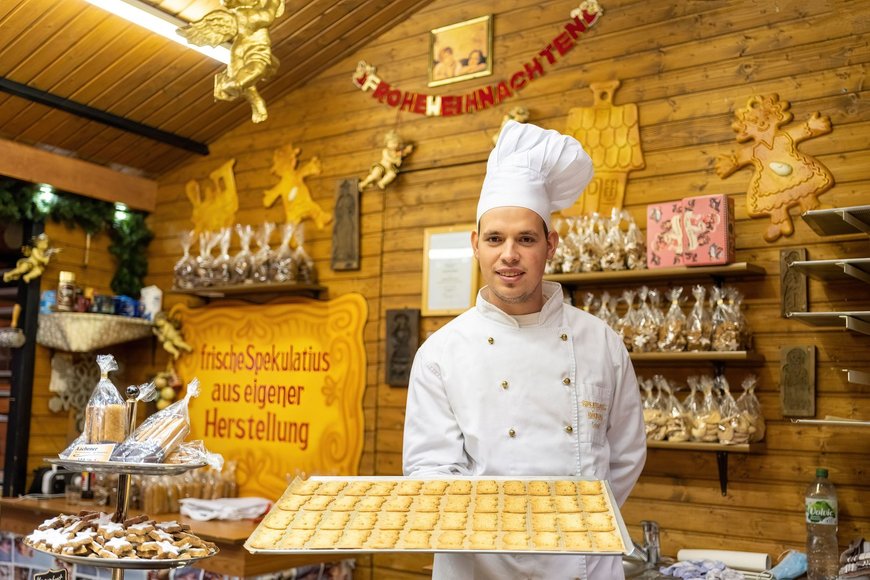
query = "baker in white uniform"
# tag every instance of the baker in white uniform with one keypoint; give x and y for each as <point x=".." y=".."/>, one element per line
<point x="524" y="384"/>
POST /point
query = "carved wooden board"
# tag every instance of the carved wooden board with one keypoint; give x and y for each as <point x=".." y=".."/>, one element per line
<point x="345" y="228"/>
<point x="797" y="380"/>
<point x="792" y="284"/>
<point x="403" y="332"/>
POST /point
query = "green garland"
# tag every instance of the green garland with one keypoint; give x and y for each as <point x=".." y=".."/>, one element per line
<point x="129" y="237"/>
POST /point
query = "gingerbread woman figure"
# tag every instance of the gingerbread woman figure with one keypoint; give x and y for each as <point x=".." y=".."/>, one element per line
<point x="784" y="177"/>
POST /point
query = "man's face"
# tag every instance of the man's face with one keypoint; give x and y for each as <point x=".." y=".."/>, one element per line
<point x="512" y="250"/>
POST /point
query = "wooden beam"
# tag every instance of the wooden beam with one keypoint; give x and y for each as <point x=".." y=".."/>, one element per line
<point x="76" y="176"/>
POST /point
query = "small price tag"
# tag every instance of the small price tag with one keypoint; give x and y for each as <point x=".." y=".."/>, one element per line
<point x="92" y="452"/>
<point x="52" y="575"/>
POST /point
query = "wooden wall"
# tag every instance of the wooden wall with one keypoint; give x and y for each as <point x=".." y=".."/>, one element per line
<point x="688" y="66"/>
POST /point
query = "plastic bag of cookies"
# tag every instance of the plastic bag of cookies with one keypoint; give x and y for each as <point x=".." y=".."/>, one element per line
<point x="706" y="422"/>
<point x="750" y="408"/>
<point x="734" y="428"/>
<point x="160" y="434"/>
<point x="105" y="413"/>
<point x="699" y="325"/>
<point x="672" y="334"/>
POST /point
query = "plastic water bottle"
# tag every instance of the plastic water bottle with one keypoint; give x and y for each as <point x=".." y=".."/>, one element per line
<point x="821" y="515"/>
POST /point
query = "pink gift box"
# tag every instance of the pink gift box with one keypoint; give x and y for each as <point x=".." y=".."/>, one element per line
<point x="664" y="234"/>
<point x="708" y="230"/>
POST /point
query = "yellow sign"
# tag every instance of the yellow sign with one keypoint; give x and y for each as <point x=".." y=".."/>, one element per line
<point x="281" y="387"/>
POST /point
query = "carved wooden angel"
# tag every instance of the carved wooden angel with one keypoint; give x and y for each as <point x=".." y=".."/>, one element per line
<point x="246" y="23"/>
<point x="169" y="334"/>
<point x="784" y="177"/>
<point x="385" y="171"/>
<point x="36" y="258"/>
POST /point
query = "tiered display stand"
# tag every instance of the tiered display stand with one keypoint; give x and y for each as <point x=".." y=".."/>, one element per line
<point x="125" y="471"/>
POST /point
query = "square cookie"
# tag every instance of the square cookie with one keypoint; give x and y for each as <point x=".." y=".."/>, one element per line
<point x="434" y="487"/>
<point x="383" y="539"/>
<point x="459" y="487"/>
<point x="358" y="488"/>
<point x="565" y="487"/>
<point x="450" y="540"/>
<point x="514" y="487"/>
<point x="546" y="541"/>
<point x="485" y="522"/>
<point x="515" y="541"/>
<point x="294" y="539"/>
<point x="486" y="486"/>
<point x="577" y="541"/>
<point x="409" y="487"/>
<point x="331" y="487"/>
<point x="486" y="504"/>
<point x="482" y="540"/>
<point x="353" y="539"/>
<point x="593" y="503"/>
<point x="417" y="540"/>
<point x="539" y="488"/>
<point x="457" y="503"/>
<point x="513" y="522"/>
<point x="345" y="503"/>
<point x="324" y="539"/>
<point x="590" y="487"/>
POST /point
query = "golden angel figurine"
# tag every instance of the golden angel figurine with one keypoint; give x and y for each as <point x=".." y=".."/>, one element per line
<point x="170" y="336"/>
<point x="246" y="23"/>
<point x="33" y="263"/>
<point x="385" y="171"/>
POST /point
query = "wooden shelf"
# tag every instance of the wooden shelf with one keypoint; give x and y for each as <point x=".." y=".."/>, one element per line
<point x="839" y="220"/>
<point x="832" y="422"/>
<point x="254" y="292"/>
<point x="701" y="446"/>
<point x="701" y="356"/>
<point x="857" y="377"/>
<point x="659" y="274"/>
<point x="858" y="321"/>
<point x="721" y="450"/>
<point x="845" y="269"/>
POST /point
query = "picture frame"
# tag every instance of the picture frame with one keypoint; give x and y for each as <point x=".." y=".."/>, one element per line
<point x="450" y="271"/>
<point x="452" y="49"/>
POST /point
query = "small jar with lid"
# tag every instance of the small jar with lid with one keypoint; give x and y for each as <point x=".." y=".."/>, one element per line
<point x="66" y="291"/>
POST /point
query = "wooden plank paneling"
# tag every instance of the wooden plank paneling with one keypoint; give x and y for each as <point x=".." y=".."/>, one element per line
<point x="688" y="66"/>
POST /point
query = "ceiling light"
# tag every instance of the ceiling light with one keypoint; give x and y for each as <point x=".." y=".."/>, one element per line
<point x="159" y="22"/>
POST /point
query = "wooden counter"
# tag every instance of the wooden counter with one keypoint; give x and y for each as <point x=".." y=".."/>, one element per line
<point x="22" y="516"/>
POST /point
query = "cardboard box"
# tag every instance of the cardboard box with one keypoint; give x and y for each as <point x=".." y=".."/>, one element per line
<point x="664" y="234"/>
<point x="708" y="230"/>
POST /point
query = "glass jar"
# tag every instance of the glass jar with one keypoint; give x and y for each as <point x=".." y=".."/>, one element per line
<point x="66" y="291"/>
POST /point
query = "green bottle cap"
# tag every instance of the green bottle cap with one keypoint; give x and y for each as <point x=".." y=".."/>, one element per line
<point x="821" y="472"/>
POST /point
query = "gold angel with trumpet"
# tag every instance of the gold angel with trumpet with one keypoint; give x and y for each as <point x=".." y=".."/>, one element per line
<point x="246" y="23"/>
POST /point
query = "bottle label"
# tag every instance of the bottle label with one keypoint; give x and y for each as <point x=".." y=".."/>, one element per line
<point x="821" y="511"/>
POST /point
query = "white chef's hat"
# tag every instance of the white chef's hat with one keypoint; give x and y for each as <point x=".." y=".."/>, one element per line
<point x="538" y="169"/>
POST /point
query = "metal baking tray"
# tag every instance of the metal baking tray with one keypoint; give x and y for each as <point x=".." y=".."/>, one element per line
<point x="127" y="563"/>
<point x="620" y="524"/>
<point x="122" y="467"/>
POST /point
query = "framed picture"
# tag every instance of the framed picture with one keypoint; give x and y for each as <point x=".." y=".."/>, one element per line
<point x="460" y="51"/>
<point x="449" y="271"/>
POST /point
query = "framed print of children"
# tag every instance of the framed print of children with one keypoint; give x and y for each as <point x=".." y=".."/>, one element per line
<point x="460" y="51"/>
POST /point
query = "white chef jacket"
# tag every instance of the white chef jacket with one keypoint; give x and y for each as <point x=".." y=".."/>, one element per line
<point x="489" y="397"/>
